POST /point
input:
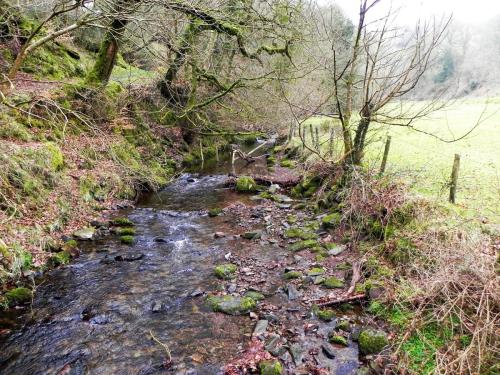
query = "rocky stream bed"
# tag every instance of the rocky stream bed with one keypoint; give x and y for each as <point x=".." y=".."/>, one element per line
<point x="211" y="282"/>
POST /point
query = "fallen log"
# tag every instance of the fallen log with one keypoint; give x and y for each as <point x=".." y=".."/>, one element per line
<point x="342" y="299"/>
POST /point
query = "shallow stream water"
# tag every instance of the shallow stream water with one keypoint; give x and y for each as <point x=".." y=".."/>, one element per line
<point x="99" y="314"/>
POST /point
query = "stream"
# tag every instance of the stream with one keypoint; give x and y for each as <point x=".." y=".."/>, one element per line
<point x="118" y="309"/>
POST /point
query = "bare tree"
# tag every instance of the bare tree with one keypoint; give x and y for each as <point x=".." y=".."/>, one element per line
<point x="385" y="64"/>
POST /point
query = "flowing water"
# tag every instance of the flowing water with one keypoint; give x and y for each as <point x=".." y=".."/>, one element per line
<point x="99" y="314"/>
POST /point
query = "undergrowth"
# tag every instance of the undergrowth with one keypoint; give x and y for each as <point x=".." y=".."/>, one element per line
<point x="437" y="272"/>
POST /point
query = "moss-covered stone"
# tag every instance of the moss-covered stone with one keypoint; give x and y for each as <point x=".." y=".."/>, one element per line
<point x="18" y="296"/>
<point x="333" y="282"/>
<point x="292" y="275"/>
<point x="326" y="315"/>
<point x="291" y="219"/>
<point x="60" y="258"/>
<point x="331" y="220"/>
<point x="126" y="231"/>
<point x="122" y="222"/>
<point x="231" y="305"/>
<point x="84" y="234"/>
<point x="127" y="239"/>
<point x="344" y="325"/>
<point x="270" y="368"/>
<point x="256" y="296"/>
<point x="214" y="212"/>
<point x="337" y="339"/>
<point x="372" y="341"/>
<point x="301" y="245"/>
<point x="286" y="163"/>
<point x="300" y="233"/>
<point x="316" y="271"/>
<point x="225" y="271"/>
<point x="245" y="184"/>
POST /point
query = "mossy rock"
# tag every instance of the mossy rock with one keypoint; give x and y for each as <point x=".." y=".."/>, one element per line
<point x="301" y="245"/>
<point x="316" y="271"/>
<point x="69" y="245"/>
<point x="60" y="258"/>
<point x="84" y="233"/>
<point x="122" y="222"/>
<point x="18" y="296"/>
<point x="271" y="160"/>
<point x="286" y="163"/>
<point x="126" y="231"/>
<point x="127" y="239"/>
<point x="292" y="275"/>
<point x="231" y="305"/>
<point x="270" y="368"/>
<point x="326" y="315"/>
<point x="291" y="219"/>
<point x="332" y="220"/>
<point x="225" y="271"/>
<point x="256" y="296"/>
<point x="333" y="282"/>
<point x="300" y="233"/>
<point x="372" y="341"/>
<point x="338" y="339"/>
<point x="344" y="325"/>
<point x="214" y="212"/>
<point x="245" y="184"/>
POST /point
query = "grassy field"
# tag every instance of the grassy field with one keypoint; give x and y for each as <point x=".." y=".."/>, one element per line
<point x="426" y="161"/>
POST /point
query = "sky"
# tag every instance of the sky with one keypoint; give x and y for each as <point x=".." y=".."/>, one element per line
<point x="466" y="11"/>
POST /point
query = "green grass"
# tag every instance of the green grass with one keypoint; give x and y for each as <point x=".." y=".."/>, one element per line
<point x="425" y="162"/>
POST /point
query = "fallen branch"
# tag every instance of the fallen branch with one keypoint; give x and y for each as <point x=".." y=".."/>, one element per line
<point x="356" y="275"/>
<point x="342" y="299"/>
<point x="165" y="346"/>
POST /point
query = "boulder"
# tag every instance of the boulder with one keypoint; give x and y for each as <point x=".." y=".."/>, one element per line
<point x="372" y="341"/>
<point x="231" y="305"/>
<point x="84" y="234"/>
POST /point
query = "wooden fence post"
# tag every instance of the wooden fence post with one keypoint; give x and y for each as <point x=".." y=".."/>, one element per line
<point x="386" y="154"/>
<point x="454" y="178"/>
<point x="311" y="133"/>
<point x="332" y="133"/>
<point x="317" y="138"/>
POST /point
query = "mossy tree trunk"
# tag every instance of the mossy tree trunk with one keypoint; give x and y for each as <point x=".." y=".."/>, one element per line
<point x="106" y="57"/>
<point x="180" y="55"/>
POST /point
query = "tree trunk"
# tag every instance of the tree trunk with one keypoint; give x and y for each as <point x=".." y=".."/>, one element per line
<point x="186" y="44"/>
<point x="106" y="57"/>
<point x="359" y="139"/>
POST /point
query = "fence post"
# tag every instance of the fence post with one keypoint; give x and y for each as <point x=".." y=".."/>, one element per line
<point x="332" y="133"/>
<point x="312" y="134"/>
<point x="317" y="138"/>
<point x="386" y="154"/>
<point x="454" y="178"/>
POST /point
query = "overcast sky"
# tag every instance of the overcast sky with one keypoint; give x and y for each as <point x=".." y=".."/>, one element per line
<point x="468" y="11"/>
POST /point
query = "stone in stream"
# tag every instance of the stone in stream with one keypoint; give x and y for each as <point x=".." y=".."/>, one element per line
<point x="274" y="346"/>
<point x="297" y="353"/>
<point x="252" y="235"/>
<point x="156" y="306"/>
<point x="260" y="328"/>
<point x="328" y="351"/>
<point x="160" y="240"/>
<point x="219" y="234"/>
<point x="334" y="249"/>
<point x="231" y="288"/>
<point x="231" y="305"/>
<point x="197" y="292"/>
<point x="225" y="271"/>
<point x="337" y="339"/>
<point x="372" y="341"/>
<point x="84" y="234"/>
<point x="129" y="257"/>
<point x="293" y="293"/>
